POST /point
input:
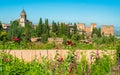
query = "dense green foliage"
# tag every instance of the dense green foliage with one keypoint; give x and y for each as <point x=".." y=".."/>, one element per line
<point x="96" y="32"/>
<point x="69" y="65"/>
<point x="15" y="30"/>
<point x="43" y="31"/>
<point x="24" y="45"/>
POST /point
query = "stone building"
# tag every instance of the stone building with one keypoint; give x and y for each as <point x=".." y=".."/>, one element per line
<point x="87" y="30"/>
<point x="107" y="30"/>
<point x="81" y="27"/>
<point x="23" y="18"/>
<point x="6" y="26"/>
<point x="71" y="29"/>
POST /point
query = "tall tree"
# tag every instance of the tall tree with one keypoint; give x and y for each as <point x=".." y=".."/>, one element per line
<point x="99" y="32"/>
<point x="75" y="28"/>
<point x="58" y="31"/>
<point x="46" y="27"/>
<point x="1" y="28"/>
<point x="62" y="28"/>
<point x="54" y="27"/>
<point x="15" y="30"/>
<point x="28" y="31"/>
<point x="39" y="29"/>
<point x="67" y="31"/>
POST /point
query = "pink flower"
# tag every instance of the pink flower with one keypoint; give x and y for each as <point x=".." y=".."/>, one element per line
<point x="15" y="39"/>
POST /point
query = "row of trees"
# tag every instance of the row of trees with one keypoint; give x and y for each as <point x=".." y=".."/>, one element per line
<point x="56" y="29"/>
<point x="44" y="30"/>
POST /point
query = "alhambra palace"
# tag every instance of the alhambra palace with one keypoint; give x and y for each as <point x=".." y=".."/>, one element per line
<point x="81" y="27"/>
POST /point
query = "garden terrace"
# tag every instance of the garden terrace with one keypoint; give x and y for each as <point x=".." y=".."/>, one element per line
<point x="58" y="62"/>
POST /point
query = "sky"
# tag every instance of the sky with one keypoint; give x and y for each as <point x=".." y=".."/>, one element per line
<point x="102" y="12"/>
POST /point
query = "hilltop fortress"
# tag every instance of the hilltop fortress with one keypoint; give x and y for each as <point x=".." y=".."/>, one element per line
<point x="105" y="29"/>
<point x="81" y="27"/>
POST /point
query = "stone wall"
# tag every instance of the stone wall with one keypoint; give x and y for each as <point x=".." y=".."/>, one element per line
<point x="29" y="55"/>
<point x="55" y="40"/>
<point x="107" y="30"/>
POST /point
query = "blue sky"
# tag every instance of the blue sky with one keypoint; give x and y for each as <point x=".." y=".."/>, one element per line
<point x="82" y="11"/>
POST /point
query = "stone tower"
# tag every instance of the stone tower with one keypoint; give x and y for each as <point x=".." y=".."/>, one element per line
<point x="23" y="18"/>
<point x="107" y="30"/>
<point x="93" y="25"/>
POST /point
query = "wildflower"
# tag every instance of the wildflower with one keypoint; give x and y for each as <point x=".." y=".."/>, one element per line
<point x="119" y="61"/>
<point x="60" y="59"/>
<point x="6" y="59"/>
<point x="98" y="54"/>
<point x="15" y="39"/>
<point x="70" y="68"/>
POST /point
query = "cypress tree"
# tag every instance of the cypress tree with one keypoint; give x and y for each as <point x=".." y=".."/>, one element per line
<point x="39" y="29"/>
<point x="1" y="26"/>
<point x="28" y="31"/>
<point x="54" y="27"/>
<point x="46" y="27"/>
<point x="75" y="28"/>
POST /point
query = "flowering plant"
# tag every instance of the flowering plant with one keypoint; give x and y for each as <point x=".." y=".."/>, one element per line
<point x="15" y="39"/>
